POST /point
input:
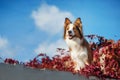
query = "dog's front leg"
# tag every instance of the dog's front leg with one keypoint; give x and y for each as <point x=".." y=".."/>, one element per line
<point x="84" y="57"/>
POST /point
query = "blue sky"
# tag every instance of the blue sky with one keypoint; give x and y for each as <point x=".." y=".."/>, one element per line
<point x="29" y="27"/>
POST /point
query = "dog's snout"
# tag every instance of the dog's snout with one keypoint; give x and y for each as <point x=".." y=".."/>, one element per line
<point x="69" y="32"/>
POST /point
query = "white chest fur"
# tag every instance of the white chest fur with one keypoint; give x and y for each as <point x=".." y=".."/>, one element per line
<point x="78" y="52"/>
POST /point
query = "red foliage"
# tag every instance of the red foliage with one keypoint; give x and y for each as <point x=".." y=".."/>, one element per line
<point x="57" y="62"/>
<point x="11" y="61"/>
<point x="106" y="59"/>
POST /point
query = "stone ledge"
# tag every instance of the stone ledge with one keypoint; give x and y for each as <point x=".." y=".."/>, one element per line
<point x="19" y="72"/>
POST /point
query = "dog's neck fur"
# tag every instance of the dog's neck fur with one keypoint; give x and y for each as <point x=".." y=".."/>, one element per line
<point x="74" y="44"/>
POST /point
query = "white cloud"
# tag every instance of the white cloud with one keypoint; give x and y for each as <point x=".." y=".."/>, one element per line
<point x="5" y="50"/>
<point x="50" y="48"/>
<point x="3" y="42"/>
<point x="50" y="18"/>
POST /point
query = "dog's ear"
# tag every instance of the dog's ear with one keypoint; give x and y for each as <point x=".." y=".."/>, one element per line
<point x="67" y="21"/>
<point x="78" y="23"/>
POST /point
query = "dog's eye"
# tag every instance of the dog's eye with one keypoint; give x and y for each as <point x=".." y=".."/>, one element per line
<point x="73" y="28"/>
<point x="67" y="28"/>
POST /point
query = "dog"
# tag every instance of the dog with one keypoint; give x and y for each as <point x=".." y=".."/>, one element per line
<point x="80" y="51"/>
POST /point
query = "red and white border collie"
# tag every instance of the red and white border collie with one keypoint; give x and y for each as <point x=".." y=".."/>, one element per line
<point x="78" y="45"/>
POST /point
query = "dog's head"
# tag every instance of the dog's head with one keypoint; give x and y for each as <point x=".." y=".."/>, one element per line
<point x="72" y="30"/>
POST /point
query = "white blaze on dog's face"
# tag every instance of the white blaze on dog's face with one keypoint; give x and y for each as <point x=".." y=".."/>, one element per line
<point x="73" y="30"/>
<point x="69" y="31"/>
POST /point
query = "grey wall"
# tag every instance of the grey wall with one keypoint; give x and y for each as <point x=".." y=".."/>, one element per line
<point x="19" y="72"/>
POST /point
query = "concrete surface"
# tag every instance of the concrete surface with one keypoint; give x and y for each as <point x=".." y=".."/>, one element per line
<point x="19" y="72"/>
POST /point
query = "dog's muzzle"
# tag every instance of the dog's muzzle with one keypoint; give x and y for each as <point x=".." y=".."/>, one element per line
<point x="70" y="34"/>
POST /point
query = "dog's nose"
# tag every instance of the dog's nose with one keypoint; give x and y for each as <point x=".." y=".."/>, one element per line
<point x="69" y="32"/>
